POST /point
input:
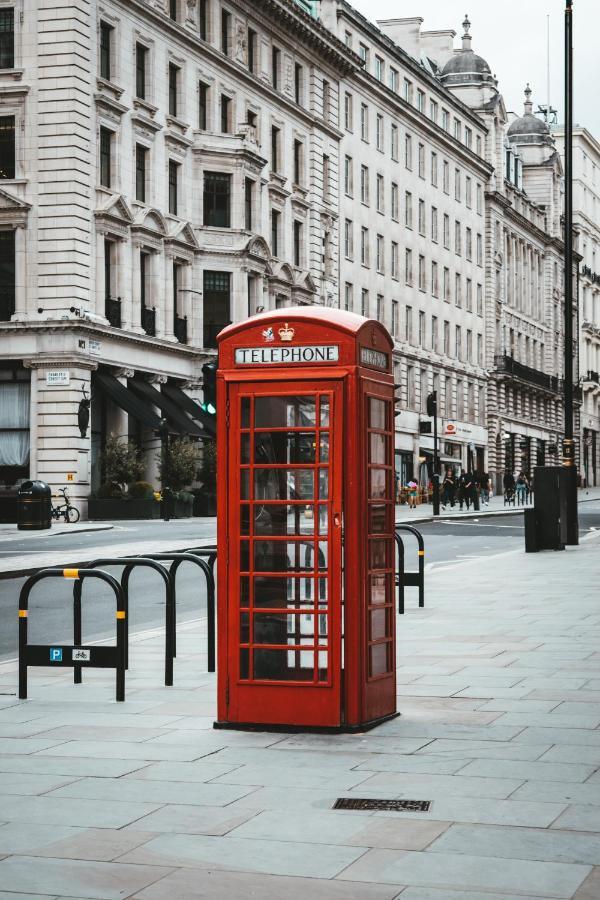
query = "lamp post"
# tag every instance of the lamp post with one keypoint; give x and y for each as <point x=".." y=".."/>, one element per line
<point x="432" y="411"/>
<point x="571" y="532"/>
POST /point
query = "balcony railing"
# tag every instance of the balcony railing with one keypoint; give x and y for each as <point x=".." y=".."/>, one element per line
<point x="505" y="364"/>
<point x="112" y="311"/>
<point x="149" y="320"/>
<point x="180" y="329"/>
<point x="211" y="330"/>
<point x="592" y="376"/>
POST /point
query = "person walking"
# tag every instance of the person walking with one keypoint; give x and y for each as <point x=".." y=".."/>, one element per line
<point x="508" y="482"/>
<point x="484" y="488"/>
<point x="465" y="490"/>
<point x="413" y="489"/>
<point x="448" y="489"/>
<point x="522" y="488"/>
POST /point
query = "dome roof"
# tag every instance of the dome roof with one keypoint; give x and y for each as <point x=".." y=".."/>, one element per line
<point x="528" y="129"/>
<point x="466" y="67"/>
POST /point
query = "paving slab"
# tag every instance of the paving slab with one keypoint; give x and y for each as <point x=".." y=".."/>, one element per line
<point x="527" y="771"/>
<point x="47" y="810"/>
<point x="464" y="872"/>
<point x="85" y="879"/>
<point x="590" y="889"/>
<point x="520" y="843"/>
<point x="123" y="790"/>
<point x="187" y="884"/>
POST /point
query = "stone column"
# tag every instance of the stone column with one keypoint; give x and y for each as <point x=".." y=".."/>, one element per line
<point x="20" y="274"/>
<point x="135" y="322"/>
<point x="168" y="305"/>
<point x="101" y="288"/>
<point x="33" y="425"/>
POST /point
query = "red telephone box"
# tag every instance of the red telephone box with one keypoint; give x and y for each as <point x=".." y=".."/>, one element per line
<point x="305" y="442"/>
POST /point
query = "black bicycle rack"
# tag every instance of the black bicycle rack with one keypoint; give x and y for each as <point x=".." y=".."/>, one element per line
<point x="410" y="579"/>
<point x="176" y="560"/>
<point x="76" y="655"/>
<point x="130" y="563"/>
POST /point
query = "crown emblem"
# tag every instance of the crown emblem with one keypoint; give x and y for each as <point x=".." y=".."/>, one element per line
<point x="286" y="333"/>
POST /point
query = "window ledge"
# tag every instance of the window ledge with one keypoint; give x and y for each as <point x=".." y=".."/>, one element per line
<point x="110" y="87"/>
<point x="11" y="74"/>
<point x="177" y="124"/>
<point x="144" y="106"/>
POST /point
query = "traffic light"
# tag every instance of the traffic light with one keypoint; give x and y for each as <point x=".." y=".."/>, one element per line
<point x="209" y="388"/>
<point x="432" y="404"/>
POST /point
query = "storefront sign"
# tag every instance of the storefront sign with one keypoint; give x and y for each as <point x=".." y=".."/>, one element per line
<point x="281" y="356"/>
<point x="457" y="429"/>
<point x="374" y="358"/>
<point x="58" y="377"/>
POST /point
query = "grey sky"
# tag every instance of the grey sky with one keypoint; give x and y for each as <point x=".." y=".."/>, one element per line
<point x="512" y="36"/>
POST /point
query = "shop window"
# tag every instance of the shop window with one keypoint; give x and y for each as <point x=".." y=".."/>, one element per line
<point x="14" y="426"/>
<point x="217" y="199"/>
<point x="7" y="146"/>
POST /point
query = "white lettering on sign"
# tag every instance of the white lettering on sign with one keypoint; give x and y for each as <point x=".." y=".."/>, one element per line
<point x="95" y="346"/>
<point x="80" y="655"/>
<point x="59" y="376"/>
<point x="281" y="356"/>
<point x="375" y="358"/>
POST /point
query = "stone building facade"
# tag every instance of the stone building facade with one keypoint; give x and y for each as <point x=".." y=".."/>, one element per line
<point x="167" y="167"/>
<point x="412" y="231"/>
<point x="586" y="219"/>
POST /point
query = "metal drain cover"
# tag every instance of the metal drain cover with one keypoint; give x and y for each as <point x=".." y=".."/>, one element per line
<point x="391" y="805"/>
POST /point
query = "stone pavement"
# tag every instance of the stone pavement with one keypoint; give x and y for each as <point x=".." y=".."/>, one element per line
<point x="499" y="690"/>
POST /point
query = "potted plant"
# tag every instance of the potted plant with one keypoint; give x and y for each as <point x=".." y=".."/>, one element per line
<point x="123" y="495"/>
<point x="178" y="466"/>
<point x="205" y="503"/>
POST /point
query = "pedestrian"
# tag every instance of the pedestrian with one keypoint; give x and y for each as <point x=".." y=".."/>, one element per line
<point x="448" y="489"/>
<point x="522" y="488"/>
<point x="465" y="487"/>
<point x="484" y="488"/>
<point x="413" y="489"/>
<point x="508" y="483"/>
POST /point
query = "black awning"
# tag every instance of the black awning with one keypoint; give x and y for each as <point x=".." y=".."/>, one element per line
<point x="178" y="419"/>
<point x="192" y="407"/>
<point x="126" y="399"/>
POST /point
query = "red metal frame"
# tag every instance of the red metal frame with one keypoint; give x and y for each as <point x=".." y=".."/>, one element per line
<point x="300" y="641"/>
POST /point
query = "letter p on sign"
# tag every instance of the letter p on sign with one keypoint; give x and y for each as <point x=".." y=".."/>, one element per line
<point x="55" y="654"/>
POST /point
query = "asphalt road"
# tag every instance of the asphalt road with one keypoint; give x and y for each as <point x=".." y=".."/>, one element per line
<point x="447" y="543"/>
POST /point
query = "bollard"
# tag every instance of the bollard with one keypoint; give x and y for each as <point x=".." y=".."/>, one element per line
<point x="72" y="655"/>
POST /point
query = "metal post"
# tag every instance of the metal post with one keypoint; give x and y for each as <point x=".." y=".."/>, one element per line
<point x="436" y="460"/>
<point x="570" y="470"/>
<point x="77" y="633"/>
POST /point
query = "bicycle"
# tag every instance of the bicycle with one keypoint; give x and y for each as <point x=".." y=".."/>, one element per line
<point x="64" y="510"/>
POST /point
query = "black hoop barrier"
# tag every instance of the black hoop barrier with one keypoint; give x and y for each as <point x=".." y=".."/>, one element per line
<point x="410" y="579"/>
<point x="209" y="553"/>
<point x="130" y="563"/>
<point x="177" y="559"/>
<point x="73" y="655"/>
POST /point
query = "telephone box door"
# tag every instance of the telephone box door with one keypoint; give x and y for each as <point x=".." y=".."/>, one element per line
<point x="285" y="544"/>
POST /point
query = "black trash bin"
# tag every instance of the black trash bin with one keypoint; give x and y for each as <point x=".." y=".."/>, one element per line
<point x="34" y="506"/>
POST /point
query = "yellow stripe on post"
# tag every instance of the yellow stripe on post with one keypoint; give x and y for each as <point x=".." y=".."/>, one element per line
<point x="70" y="573"/>
<point x="421" y="553"/>
<point x="120" y="614"/>
<point x="22" y="613"/>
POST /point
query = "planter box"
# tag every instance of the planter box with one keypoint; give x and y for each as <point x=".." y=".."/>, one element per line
<point x="205" y="504"/>
<point x="107" y="510"/>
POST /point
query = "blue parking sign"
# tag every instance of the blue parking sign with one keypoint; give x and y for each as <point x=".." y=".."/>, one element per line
<point x="55" y="654"/>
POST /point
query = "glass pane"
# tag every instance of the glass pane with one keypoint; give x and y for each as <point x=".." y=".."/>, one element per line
<point x="378" y="624"/>
<point x="284" y="447"/>
<point x="284" y="484"/>
<point x="323" y="519"/>
<point x="324" y="412"/>
<point x="322" y="669"/>
<point x="281" y="628"/>
<point x="379" y="589"/>
<point x="323" y="627"/>
<point x="283" y="519"/>
<point x="377" y="517"/>
<point x="244" y="519"/>
<point x="244" y="556"/>
<point x="283" y="556"/>
<point x="379" y="659"/>
<point x="245" y="412"/>
<point x="323" y="484"/>
<point x="323" y="593"/>
<point x="244" y="591"/>
<point x="323" y="554"/>
<point x="244" y="484"/>
<point x="377" y="483"/>
<point x="284" y="593"/>
<point x="282" y="412"/>
<point x="284" y="665"/>
<point x="377" y="413"/>
<point x="244" y="628"/>
<point x="378" y="554"/>
<point x="377" y="442"/>
<point x="245" y="448"/>
<point x="244" y="662"/>
<point x="324" y="447"/>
